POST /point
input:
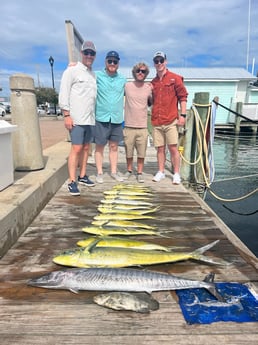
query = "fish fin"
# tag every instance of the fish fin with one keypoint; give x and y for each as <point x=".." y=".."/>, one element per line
<point x="173" y="248"/>
<point x="90" y="247"/>
<point x="209" y="278"/>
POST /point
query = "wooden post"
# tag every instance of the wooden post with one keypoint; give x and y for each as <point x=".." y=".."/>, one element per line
<point x="239" y="110"/>
<point x="201" y="102"/>
<point x="185" y="146"/>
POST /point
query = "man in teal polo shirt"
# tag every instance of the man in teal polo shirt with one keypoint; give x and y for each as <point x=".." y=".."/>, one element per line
<point x="109" y="114"/>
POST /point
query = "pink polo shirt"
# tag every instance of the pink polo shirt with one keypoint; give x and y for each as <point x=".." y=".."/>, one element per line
<point x="136" y="107"/>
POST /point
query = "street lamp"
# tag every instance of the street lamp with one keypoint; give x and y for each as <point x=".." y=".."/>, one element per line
<point x="51" y="61"/>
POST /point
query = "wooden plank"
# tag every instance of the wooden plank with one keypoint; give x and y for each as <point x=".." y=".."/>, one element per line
<point x="38" y="316"/>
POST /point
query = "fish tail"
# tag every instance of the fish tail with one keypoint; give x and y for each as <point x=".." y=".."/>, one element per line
<point x="205" y="248"/>
<point x="209" y="260"/>
<point x="212" y="289"/>
<point x="197" y="254"/>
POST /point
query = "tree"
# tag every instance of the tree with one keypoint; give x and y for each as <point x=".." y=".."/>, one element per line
<point x="46" y="94"/>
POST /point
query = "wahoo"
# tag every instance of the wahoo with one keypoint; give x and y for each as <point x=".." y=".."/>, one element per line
<point x="122" y="279"/>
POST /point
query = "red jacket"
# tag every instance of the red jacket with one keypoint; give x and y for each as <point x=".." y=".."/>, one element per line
<point x="167" y="92"/>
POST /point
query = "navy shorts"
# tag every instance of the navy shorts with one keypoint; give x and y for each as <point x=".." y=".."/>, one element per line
<point x="106" y="131"/>
<point x="81" y="134"/>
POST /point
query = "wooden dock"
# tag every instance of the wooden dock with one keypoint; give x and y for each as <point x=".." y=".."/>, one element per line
<point x="30" y="316"/>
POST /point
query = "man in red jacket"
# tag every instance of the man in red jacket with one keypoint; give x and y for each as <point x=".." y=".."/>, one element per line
<point x="168" y="92"/>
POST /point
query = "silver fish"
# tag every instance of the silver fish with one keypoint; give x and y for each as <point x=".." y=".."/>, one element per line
<point x="117" y="279"/>
<point x="139" y="302"/>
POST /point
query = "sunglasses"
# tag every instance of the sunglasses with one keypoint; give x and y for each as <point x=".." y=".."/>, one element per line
<point x="89" y="52"/>
<point x="160" y="60"/>
<point x="110" y="62"/>
<point x="143" y="71"/>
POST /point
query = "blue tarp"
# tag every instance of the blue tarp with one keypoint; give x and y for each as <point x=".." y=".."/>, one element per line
<point x="199" y="306"/>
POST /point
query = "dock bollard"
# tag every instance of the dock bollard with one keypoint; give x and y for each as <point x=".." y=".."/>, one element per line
<point x="27" y="146"/>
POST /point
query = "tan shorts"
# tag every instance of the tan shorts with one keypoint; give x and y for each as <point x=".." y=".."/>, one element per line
<point x="135" y="138"/>
<point x="165" y="134"/>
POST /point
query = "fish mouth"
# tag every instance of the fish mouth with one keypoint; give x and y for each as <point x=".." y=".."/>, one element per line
<point x="45" y="281"/>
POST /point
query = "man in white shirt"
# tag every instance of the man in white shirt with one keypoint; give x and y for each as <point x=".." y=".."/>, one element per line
<point x="77" y="98"/>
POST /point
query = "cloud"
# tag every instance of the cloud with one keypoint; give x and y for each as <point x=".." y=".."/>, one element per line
<point x="193" y="33"/>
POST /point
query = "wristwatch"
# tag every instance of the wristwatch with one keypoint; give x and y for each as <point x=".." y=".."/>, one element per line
<point x="183" y="115"/>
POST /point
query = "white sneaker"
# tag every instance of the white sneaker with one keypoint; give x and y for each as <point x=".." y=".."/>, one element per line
<point x="99" y="178"/>
<point x="176" y="179"/>
<point x="127" y="175"/>
<point x="116" y="177"/>
<point x="140" y="178"/>
<point x="159" y="176"/>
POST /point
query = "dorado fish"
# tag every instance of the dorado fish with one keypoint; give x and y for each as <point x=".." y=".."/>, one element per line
<point x="93" y="256"/>
<point x="122" y="243"/>
<point x="124" y="186"/>
<point x="120" y="206"/>
<point x="127" y="192"/>
<point x="140" y="302"/>
<point x="121" y="279"/>
<point x="128" y="197"/>
<point x="118" y="201"/>
<point x="98" y="230"/>
<point x="123" y="210"/>
<point x="121" y="216"/>
<point x="123" y="224"/>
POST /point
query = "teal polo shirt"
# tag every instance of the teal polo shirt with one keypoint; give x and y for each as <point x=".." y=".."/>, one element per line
<point x="110" y="97"/>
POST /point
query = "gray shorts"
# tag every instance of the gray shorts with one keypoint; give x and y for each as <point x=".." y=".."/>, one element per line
<point x="81" y="134"/>
<point x="106" y="131"/>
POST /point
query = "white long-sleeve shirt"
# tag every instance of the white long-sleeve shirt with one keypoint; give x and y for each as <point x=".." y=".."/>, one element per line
<point x="78" y="92"/>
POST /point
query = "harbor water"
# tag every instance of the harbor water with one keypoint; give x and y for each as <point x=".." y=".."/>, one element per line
<point x="236" y="175"/>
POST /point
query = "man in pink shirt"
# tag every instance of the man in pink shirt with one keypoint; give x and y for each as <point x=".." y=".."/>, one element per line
<point x="138" y="96"/>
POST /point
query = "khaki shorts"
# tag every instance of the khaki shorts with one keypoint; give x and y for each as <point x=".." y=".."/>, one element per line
<point x="165" y="134"/>
<point x="135" y="138"/>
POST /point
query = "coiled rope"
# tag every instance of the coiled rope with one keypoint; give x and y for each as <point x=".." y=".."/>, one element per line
<point x="205" y="153"/>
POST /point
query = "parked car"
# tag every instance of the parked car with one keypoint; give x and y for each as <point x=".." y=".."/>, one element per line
<point x="41" y="111"/>
<point x="51" y="110"/>
<point x="6" y="107"/>
<point x="2" y="110"/>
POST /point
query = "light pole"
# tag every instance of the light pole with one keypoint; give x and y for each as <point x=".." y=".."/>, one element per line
<point x="51" y="61"/>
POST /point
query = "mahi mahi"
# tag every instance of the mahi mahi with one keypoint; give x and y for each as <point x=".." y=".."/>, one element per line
<point x="118" y="201"/>
<point x="113" y="279"/>
<point x="121" y="206"/>
<point x="106" y="209"/>
<point x="128" y="197"/>
<point x="93" y="256"/>
<point x="121" y="216"/>
<point x="109" y="241"/>
<point x="127" y="192"/>
<point x="102" y="231"/>
<point x="123" y="224"/>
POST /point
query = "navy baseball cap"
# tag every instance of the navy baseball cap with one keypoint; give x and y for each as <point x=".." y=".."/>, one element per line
<point x="113" y="54"/>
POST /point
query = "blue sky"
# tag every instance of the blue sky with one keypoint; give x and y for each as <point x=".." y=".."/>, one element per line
<point x="196" y="33"/>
